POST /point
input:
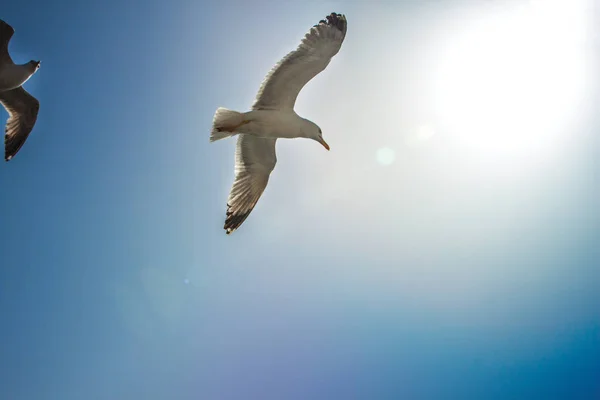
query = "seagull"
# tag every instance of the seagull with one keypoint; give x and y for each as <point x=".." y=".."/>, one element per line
<point x="272" y="116"/>
<point x="21" y="106"/>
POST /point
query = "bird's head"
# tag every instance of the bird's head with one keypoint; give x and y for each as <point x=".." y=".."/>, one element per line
<point x="315" y="133"/>
<point x="35" y="65"/>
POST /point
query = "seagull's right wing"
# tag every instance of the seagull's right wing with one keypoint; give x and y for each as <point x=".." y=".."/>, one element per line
<point x="6" y="32"/>
<point x="283" y="83"/>
<point x="23" y="110"/>
<point x="254" y="160"/>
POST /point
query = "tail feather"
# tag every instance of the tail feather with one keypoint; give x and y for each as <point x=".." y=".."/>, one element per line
<point x="224" y="122"/>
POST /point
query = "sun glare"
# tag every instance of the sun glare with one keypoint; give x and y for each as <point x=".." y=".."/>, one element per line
<point x="512" y="79"/>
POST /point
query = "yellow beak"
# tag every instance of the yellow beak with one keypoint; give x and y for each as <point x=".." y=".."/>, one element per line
<point x="324" y="143"/>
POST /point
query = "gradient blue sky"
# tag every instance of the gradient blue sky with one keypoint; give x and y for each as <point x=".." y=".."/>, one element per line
<point x="451" y="273"/>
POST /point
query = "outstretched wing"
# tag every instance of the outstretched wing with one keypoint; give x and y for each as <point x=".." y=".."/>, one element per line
<point x="6" y="32"/>
<point x="23" y="110"/>
<point x="254" y="160"/>
<point x="280" y="88"/>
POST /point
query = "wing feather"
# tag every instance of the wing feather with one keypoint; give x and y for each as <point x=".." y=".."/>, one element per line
<point x="254" y="160"/>
<point x="6" y="32"/>
<point x="23" y="110"/>
<point x="282" y="84"/>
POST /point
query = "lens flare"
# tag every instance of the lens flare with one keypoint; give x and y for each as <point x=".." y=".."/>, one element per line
<point x="385" y="156"/>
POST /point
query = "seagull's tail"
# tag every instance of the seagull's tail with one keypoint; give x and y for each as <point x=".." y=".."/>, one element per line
<point x="225" y="122"/>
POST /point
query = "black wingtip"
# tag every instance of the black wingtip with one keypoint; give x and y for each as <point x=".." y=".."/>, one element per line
<point x="12" y="147"/>
<point x="334" y="19"/>
<point x="233" y="222"/>
<point x="7" y="155"/>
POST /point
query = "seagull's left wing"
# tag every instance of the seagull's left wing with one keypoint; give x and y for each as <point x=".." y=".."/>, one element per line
<point x="280" y="88"/>
<point x="254" y="160"/>
<point x="23" y="111"/>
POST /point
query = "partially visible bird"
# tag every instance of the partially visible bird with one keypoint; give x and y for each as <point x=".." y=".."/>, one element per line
<point x="273" y="116"/>
<point x="21" y="106"/>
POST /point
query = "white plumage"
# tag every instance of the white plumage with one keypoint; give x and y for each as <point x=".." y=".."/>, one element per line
<point x="273" y="116"/>
<point x="282" y="84"/>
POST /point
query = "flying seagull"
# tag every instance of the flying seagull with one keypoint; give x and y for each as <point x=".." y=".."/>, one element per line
<point x="22" y="107"/>
<point x="273" y="116"/>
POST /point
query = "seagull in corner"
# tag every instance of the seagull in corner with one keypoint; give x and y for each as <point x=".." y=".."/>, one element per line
<point x="21" y="106"/>
<point x="272" y="116"/>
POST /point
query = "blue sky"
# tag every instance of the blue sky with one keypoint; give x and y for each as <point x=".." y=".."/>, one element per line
<point x="446" y="270"/>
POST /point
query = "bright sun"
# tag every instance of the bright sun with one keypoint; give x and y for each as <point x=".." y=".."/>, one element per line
<point x="511" y="80"/>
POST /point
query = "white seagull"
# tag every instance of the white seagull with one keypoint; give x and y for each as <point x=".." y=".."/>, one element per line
<point x="273" y="116"/>
<point x="22" y="107"/>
